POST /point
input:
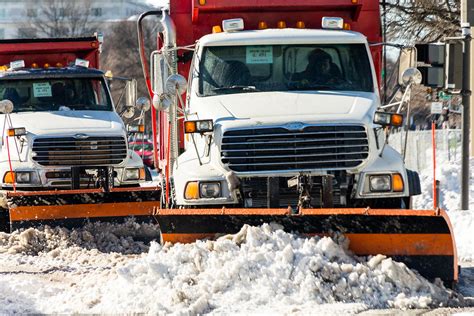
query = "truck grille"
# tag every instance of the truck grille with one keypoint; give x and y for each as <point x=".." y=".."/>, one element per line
<point x="256" y="196"/>
<point x="69" y="151"/>
<point x="335" y="147"/>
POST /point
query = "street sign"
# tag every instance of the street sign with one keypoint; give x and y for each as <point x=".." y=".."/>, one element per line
<point x="444" y="96"/>
<point x="436" y="107"/>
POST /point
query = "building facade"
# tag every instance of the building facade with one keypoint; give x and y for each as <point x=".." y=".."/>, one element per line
<point x="16" y="17"/>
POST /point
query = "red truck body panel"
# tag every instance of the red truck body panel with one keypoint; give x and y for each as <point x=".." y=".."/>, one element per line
<point x="194" y="20"/>
<point x="50" y="51"/>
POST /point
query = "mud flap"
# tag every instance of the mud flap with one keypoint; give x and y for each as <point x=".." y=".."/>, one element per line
<point x="422" y="239"/>
<point x="74" y="208"/>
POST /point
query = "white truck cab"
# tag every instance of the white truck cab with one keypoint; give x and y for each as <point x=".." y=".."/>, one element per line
<point x="58" y="119"/>
<point x="296" y="122"/>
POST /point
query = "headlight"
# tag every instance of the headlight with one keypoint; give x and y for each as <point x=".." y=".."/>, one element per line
<point x="380" y="183"/>
<point x="204" y="125"/>
<point x="388" y="119"/>
<point x="19" y="131"/>
<point x="195" y="190"/>
<point x="134" y="174"/>
<point x="210" y="189"/>
<point x="23" y="177"/>
<point x="200" y="126"/>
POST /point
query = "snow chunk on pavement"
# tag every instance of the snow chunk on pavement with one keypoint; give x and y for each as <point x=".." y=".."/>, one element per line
<point x="264" y="268"/>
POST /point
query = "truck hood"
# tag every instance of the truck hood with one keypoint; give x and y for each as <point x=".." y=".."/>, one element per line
<point x="278" y="107"/>
<point x="69" y="122"/>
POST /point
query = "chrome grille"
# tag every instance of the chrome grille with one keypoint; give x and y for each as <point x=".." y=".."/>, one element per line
<point x="335" y="147"/>
<point x="69" y="151"/>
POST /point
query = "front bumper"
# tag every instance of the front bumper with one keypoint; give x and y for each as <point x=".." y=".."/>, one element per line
<point x="61" y="178"/>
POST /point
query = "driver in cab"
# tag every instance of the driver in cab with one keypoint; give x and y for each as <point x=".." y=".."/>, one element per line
<point x="320" y="69"/>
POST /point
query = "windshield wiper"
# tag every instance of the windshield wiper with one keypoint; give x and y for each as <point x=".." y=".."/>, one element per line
<point x="311" y="87"/>
<point x="237" y="87"/>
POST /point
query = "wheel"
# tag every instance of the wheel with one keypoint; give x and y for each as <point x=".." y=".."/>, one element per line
<point x="385" y="203"/>
<point x="148" y="176"/>
<point x="4" y="220"/>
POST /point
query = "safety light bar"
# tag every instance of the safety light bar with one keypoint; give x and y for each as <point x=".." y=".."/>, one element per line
<point x="200" y="126"/>
<point x="81" y="63"/>
<point x="386" y="119"/>
<point x="332" y="23"/>
<point x="19" y="131"/>
<point x="233" y="25"/>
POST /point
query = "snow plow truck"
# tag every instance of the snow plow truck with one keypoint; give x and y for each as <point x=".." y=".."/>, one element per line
<point x="279" y="120"/>
<point x="61" y="133"/>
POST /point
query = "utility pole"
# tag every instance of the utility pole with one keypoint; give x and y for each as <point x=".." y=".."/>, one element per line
<point x="467" y="19"/>
<point x="466" y="100"/>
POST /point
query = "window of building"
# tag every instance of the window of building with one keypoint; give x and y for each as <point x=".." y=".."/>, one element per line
<point x="96" y="11"/>
<point x="26" y="32"/>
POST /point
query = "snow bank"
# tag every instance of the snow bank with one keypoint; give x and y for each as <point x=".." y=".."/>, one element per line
<point x="264" y="268"/>
<point x="103" y="237"/>
<point x="259" y="270"/>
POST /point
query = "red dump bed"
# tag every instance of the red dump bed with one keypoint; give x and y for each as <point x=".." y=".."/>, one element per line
<point x="50" y="51"/>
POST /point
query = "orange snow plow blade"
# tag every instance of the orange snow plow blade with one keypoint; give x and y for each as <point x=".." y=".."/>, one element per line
<point x="422" y="239"/>
<point x="74" y="208"/>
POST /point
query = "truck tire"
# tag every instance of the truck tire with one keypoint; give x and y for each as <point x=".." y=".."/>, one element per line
<point x="4" y="220"/>
<point x="148" y="176"/>
<point x="385" y="203"/>
<point x="414" y="185"/>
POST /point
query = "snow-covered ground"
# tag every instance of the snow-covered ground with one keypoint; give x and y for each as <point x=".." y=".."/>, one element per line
<point x="260" y="270"/>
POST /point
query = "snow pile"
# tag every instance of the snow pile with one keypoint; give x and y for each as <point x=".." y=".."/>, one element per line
<point x="103" y="237"/>
<point x="449" y="175"/>
<point x="463" y="224"/>
<point x="264" y="268"/>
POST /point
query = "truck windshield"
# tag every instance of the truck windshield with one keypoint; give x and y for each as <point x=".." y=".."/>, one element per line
<point x="58" y="94"/>
<point x="245" y="69"/>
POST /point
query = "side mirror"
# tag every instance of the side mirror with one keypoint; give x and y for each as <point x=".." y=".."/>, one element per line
<point x="131" y="93"/>
<point x="157" y="68"/>
<point x="143" y="104"/>
<point x="411" y="75"/>
<point x="128" y="112"/>
<point x="163" y="101"/>
<point x="407" y="60"/>
<point x="175" y="84"/>
<point x="130" y="98"/>
<point x="6" y="106"/>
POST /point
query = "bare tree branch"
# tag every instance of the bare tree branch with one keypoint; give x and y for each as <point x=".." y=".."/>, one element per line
<point x="422" y="20"/>
<point x="59" y="18"/>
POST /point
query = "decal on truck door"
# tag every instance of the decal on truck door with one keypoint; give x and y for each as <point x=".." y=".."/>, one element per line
<point x="259" y="55"/>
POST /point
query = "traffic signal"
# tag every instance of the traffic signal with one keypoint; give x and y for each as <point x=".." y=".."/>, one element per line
<point x="430" y="62"/>
<point x="454" y="65"/>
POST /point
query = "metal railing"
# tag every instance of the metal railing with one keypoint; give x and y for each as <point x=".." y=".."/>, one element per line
<point x="419" y="154"/>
